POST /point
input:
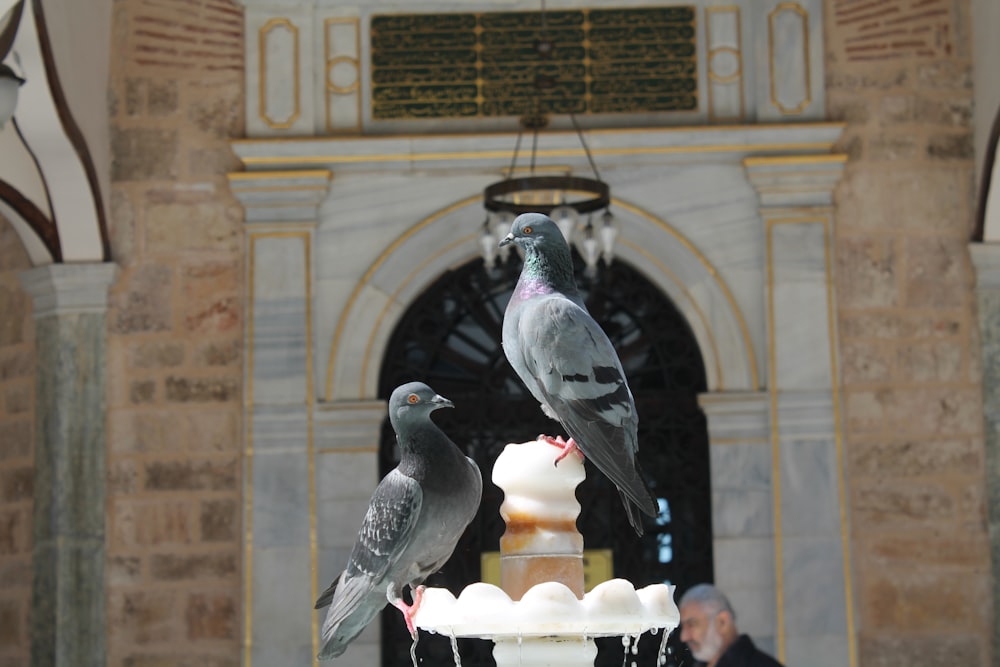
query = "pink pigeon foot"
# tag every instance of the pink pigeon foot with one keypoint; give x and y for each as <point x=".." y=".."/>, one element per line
<point x="567" y="446"/>
<point x="410" y="610"/>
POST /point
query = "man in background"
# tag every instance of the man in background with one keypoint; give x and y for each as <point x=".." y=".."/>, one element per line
<point x="708" y="627"/>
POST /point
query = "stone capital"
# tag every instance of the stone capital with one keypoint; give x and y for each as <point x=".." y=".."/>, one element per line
<point x="795" y="180"/>
<point x="281" y="196"/>
<point x="69" y="289"/>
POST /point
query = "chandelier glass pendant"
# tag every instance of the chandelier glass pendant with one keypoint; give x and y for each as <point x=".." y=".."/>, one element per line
<point x="569" y="200"/>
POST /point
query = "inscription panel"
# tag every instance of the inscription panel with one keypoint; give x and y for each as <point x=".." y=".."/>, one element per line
<point x="486" y="64"/>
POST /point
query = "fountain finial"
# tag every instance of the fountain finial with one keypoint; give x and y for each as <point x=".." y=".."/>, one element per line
<point x="540" y="508"/>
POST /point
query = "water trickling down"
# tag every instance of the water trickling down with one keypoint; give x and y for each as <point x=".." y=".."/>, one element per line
<point x="661" y="655"/>
<point x="454" y="650"/>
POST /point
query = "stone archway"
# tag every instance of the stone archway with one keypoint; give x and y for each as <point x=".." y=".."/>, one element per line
<point x="412" y="262"/>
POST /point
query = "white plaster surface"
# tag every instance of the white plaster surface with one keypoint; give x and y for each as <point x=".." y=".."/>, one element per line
<point x="986" y="85"/>
<point x="73" y="201"/>
<point x="991" y="223"/>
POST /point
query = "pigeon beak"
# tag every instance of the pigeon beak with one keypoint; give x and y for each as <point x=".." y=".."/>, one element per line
<point x="440" y="401"/>
<point x="506" y="240"/>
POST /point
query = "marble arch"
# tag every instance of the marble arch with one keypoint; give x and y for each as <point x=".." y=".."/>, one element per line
<point x="412" y="263"/>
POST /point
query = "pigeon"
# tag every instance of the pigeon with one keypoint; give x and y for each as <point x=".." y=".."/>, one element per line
<point x="569" y="365"/>
<point x="414" y="520"/>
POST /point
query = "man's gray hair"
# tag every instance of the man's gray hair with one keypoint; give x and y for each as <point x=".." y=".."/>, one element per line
<point x="710" y="598"/>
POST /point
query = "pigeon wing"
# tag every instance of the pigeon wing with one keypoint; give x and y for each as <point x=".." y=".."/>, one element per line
<point x="580" y="377"/>
<point x="385" y="533"/>
<point x="574" y="364"/>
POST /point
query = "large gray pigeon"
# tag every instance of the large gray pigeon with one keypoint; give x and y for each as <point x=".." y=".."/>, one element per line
<point x="568" y="364"/>
<point x="414" y="520"/>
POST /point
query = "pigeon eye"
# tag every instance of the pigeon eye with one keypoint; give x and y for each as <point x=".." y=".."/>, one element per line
<point x="412" y="398"/>
<point x="527" y="230"/>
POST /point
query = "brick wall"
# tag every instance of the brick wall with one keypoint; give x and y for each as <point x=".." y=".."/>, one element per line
<point x="175" y="326"/>
<point x="17" y="413"/>
<point x="899" y="73"/>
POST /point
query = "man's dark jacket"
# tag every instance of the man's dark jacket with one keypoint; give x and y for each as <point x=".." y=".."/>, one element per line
<point x="742" y="653"/>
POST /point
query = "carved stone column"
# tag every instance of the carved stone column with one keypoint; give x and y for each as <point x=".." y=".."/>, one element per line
<point x="67" y="614"/>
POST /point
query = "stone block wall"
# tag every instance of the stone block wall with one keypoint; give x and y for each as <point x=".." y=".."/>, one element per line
<point x="899" y="73"/>
<point x="17" y="415"/>
<point x="175" y="330"/>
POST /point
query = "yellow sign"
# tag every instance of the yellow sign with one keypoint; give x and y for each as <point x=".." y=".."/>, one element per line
<point x="598" y="567"/>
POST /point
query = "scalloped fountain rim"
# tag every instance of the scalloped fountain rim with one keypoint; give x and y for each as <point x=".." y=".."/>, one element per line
<point x="612" y="608"/>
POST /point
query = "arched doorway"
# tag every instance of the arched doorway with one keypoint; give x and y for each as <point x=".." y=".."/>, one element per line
<point x="450" y="338"/>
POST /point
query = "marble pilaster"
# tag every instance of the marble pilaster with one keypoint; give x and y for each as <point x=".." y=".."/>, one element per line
<point x="986" y="258"/>
<point x="812" y="584"/>
<point x="68" y="614"/>
<point x="742" y="510"/>
<point x="280" y="555"/>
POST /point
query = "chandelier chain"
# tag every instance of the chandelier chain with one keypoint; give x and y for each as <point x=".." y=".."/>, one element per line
<point x="586" y="148"/>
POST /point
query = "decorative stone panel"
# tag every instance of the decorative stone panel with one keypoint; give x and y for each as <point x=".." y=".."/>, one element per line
<point x="317" y="69"/>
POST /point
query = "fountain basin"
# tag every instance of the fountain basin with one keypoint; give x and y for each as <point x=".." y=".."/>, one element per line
<point x="550" y="609"/>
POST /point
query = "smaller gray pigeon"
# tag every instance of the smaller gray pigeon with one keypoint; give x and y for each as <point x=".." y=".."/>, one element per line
<point x="569" y="365"/>
<point x="414" y="520"/>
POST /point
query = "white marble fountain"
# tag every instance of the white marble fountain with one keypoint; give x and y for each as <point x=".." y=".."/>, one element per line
<point x="540" y="617"/>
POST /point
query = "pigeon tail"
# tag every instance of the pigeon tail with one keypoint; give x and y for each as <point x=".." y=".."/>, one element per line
<point x="338" y="635"/>
<point x="635" y="490"/>
<point x="634" y="513"/>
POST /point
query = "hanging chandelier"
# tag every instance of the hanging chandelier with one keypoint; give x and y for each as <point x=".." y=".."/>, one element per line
<point x="569" y="200"/>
